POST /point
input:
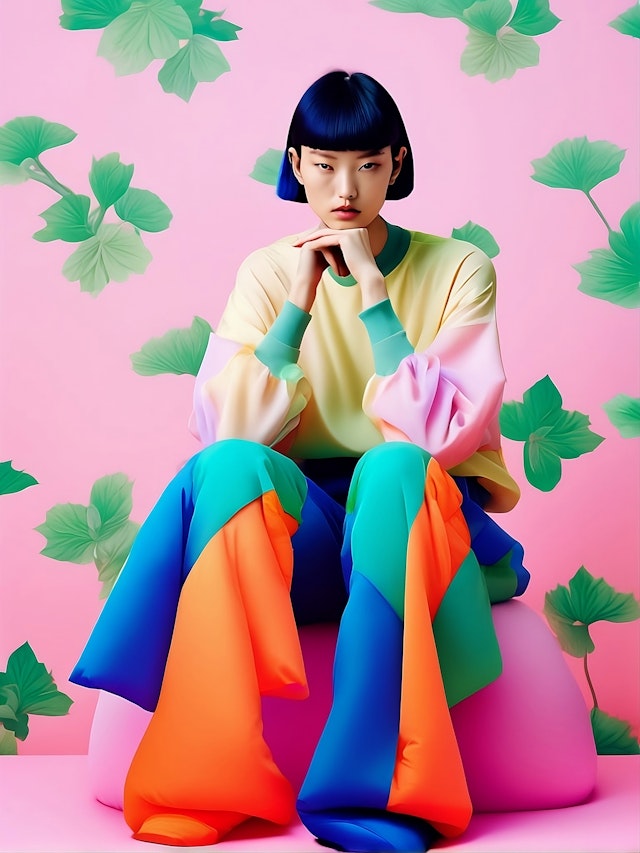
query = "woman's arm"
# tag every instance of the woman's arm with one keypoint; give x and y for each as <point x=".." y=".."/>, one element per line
<point x="446" y="396"/>
<point x="249" y="384"/>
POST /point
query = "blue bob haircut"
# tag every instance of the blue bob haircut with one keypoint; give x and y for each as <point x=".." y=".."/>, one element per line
<point x="346" y="112"/>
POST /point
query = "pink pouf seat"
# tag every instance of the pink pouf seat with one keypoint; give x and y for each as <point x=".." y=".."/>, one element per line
<point x="525" y="740"/>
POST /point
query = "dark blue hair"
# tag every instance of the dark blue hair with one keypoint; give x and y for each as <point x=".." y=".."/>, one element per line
<point x="346" y="112"/>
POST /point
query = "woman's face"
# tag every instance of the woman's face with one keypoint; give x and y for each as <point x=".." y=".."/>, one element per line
<point x="346" y="189"/>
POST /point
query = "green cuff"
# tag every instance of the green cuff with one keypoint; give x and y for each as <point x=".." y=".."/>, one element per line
<point x="389" y="340"/>
<point x="280" y="347"/>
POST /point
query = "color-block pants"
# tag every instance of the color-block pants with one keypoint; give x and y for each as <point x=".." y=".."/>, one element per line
<point x="200" y="624"/>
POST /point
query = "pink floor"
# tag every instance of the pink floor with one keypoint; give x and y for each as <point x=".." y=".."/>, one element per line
<point x="45" y="808"/>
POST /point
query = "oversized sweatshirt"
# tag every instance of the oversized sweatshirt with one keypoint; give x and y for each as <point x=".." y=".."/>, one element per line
<point x="423" y="366"/>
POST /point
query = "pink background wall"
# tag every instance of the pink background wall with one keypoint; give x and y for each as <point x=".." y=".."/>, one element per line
<point x="73" y="410"/>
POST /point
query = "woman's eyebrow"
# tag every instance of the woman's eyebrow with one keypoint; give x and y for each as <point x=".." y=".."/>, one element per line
<point x="329" y="156"/>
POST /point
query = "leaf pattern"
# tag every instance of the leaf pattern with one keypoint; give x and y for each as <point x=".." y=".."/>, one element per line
<point x="550" y="433"/>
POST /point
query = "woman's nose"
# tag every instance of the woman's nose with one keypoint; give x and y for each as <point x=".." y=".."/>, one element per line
<point x="347" y="187"/>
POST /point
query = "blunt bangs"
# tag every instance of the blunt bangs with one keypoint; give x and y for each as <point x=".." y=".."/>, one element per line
<point x="342" y="112"/>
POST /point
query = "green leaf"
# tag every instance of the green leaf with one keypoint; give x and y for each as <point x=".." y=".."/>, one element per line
<point x="112" y="553"/>
<point x="498" y="56"/>
<point x="533" y="17"/>
<point x="144" y="210"/>
<point x="433" y="8"/>
<point x="400" y="5"/>
<point x="542" y="467"/>
<point x="148" y="30"/>
<point x="178" y="351"/>
<point x="29" y="136"/>
<point x="67" y="219"/>
<point x="11" y="174"/>
<point x="192" y="8"/>
<point x="36" y="688"/>
<point x="12" y="481"/>
<point x="614" y="274"/>
<point x="578" y="164"/>
<point x="8" y="745"/>
<point x="570" y="610"/>
<point x="109" y="179"/>
<point x="91" y="14"/>
<point x="213" y="27"/>
<point x="199" y="61"/>
<point x="612" y="735"/>
<point x="267" y="167"/>
<point x="488" y="16"/>
<point x="111" y="499"/>
<point x="67" y="533"/>
<point x="550" y="433"/>
<point x="113" y="254"/>
<point x="624" y="413"/>
<point x="9" y="703"/>
<point x="478" y="236"/>
<point x="628" y="23"/>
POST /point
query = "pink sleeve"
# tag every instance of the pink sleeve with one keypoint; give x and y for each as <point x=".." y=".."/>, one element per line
<point x="237" y="396"/>
<point x="447" y="397"/>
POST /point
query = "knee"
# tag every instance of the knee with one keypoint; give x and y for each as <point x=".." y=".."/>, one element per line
<point x="393" y="464"/>
<point x="233" y="454"/>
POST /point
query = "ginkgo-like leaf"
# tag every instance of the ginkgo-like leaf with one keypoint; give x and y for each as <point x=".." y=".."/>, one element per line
<point x="198" y="61"/>
<point x="624" y="414"/>
<point x="12" y="481"/>
<point x="479" y="236"/>
<point x="91" y="14"/>
<point x="488" y="16"/>
<point x="433" y="8"/>
<point x="533" y="18"/>
<point x="146" y="31"/>
<point x="571" y="609"/>
<point x="113" y="254"/>
<point x="400" y="5"/>
<point x="112" y="553"/>
<point x="111" y="499"/>
<point x="8" y="744"/>
<point x="612" y="735"/>
<point x="144" y="210"/>
<point x="109" y="179"/>
<point x="498" y="56"/>
<point x="67" y="533"/>
<point x="67" y="219"/>
<point x="11" y="174"/>
<point x="267" y="167"/>
<point x="212" y="26"/>
<point x="36" y="688"/>
<point x="178" y="351"/>
<point x="550" y="433"/>
<point x="28" y="136"/>
<point x="578" y="164"/>
<point x="628" y="23"/>
<point x="614" y="274"/>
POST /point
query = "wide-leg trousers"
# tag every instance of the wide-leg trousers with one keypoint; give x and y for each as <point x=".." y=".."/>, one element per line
<point x="200" y="625"/>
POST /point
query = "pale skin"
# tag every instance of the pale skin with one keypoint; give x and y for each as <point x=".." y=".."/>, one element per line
<point x="346" y="190"/>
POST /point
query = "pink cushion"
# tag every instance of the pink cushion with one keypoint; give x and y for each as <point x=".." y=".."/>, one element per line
<point x="525" y="740"/>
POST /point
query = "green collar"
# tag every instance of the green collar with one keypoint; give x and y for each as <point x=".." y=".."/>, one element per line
<point x="393" y="251"/>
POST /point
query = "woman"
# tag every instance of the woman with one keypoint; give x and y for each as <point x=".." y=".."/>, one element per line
<point x="356" y="357"/>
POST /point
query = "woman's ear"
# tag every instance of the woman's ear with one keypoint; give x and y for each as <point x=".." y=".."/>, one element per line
<point x="294" y="159"/>
<point x="397" y="164"/>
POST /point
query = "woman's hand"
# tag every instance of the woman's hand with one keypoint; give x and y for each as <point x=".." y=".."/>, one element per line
<point x="345" y="251"/>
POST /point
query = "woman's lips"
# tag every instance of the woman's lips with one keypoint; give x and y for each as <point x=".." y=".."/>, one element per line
<point x="345" y="212"/>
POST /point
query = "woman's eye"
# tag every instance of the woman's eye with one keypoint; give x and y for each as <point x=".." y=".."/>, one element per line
<point x="368" y="166"/>
<point x="323" y="166"/>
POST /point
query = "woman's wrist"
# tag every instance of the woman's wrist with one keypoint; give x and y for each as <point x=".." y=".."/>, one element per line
<point x="302" y="294"/>
<point x="374" y="290"/>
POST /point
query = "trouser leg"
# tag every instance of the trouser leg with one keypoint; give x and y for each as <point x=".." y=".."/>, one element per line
<point x="203" y="765"/>
<point x="389" y="744"/>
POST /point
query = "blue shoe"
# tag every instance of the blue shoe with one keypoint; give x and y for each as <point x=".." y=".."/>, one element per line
<point x="369" y="831"/>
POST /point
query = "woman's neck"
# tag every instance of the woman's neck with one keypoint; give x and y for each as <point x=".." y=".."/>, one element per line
<point x="377" y="235"/>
